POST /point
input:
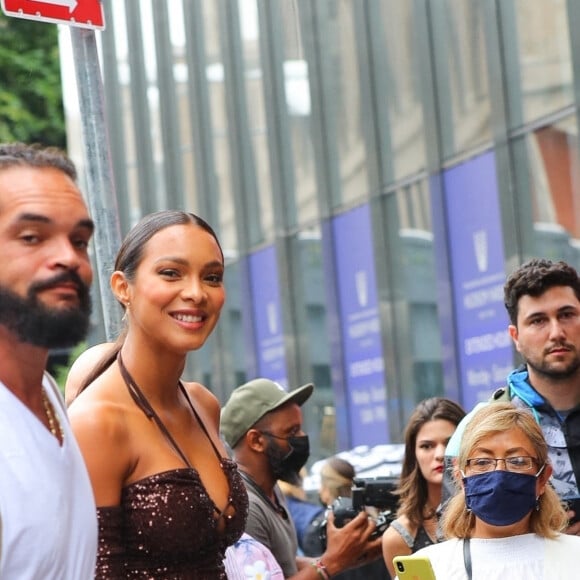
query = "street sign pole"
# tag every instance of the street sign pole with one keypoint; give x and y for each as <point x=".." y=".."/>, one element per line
<point x="83" y="17"/>
<point x="99" y="173"/>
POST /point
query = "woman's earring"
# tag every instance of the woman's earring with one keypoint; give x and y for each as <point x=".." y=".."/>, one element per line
<point x="124" y="319"/>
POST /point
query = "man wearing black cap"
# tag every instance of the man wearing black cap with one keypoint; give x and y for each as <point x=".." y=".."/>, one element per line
<point x="262" y="424"/>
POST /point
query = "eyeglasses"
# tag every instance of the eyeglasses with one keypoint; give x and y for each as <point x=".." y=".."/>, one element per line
<point x="486" y="464"/>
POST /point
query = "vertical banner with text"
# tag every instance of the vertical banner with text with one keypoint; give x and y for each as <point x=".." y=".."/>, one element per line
<point x="364" y="367"/>
<point x="478" y="274"/>
<point x="266" y="307"/>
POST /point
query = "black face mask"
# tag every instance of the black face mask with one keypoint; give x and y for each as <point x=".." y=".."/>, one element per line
<point x="286" y="465"/>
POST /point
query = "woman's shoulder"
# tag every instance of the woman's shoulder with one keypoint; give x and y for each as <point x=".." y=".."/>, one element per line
<point x="83" y="366"/>
<point x="403" y="526"/>
<point x="399" y="534"/>
<point x="441" y="549"/>
<point x="205" y="403"/>
<point x="561" y="555"/>
<point x="565" y="541"/>
<point x="200" y="392"/>
<point x="95" y="413"/>
<point x="203" y="398"/>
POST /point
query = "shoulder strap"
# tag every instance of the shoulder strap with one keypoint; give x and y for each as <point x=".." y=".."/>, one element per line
<point x="142" y="402"/>
<point x="501" y="395"/>
<point x="404" y="533"/>
<point x="199" y="420"/>
<point x="467" y="558"/>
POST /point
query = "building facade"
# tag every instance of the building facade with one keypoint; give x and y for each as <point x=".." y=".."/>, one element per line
<point x="374" y="169"/>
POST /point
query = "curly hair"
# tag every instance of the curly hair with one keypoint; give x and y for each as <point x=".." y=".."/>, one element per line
<point x="412" y="489"/>
<point x="550" y="517"/>
<point x="533" y="279"/>
<point x="35" y="155"/>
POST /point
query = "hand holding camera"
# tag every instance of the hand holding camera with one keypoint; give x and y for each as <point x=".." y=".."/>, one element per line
<point x="376" y="493"/>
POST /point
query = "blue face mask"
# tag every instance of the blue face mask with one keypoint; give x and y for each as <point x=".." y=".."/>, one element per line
<point x="500" y="498"/>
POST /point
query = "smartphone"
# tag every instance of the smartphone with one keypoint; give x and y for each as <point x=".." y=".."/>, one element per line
<point x="413" y="568"/>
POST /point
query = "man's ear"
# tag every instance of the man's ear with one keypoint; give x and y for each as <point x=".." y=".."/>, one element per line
<point x="255" y="440"/>
<point x="513" y="332"/>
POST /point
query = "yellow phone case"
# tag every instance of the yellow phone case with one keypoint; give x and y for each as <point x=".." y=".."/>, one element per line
<point x="413" y="568"/>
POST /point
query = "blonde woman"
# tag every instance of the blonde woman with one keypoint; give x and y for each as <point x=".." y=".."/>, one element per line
<point x="506" y="521"/>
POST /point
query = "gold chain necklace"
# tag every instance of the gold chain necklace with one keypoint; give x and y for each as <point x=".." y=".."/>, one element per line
<point x="53" y="421"/>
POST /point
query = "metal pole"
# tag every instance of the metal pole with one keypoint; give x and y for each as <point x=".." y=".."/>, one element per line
<point x="100" y="185"/>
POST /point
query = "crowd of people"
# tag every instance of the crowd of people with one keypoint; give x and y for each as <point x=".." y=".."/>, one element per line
<point x="145" y="475"/>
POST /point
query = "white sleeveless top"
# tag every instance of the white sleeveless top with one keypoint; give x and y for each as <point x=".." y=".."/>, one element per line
<point x="47" y="509"/>
<point x="524" y="557"/>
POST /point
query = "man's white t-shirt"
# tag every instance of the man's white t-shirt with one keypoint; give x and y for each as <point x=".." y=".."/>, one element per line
<point x="47" y="507"/>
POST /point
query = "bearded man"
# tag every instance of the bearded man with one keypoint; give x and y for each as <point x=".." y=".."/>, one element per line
<point x="48" y="525"/>
<point x="262" y="425"/>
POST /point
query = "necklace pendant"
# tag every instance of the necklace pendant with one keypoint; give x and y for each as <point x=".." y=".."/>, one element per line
<point x="54" y="424"/>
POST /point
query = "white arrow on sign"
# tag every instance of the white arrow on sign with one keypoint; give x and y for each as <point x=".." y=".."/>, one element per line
<point x="71" y="4"/>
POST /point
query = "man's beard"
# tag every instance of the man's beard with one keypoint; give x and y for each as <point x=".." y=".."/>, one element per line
<point x="278" y="464"/>
<point x="286" y="465"/>
<point x="34" y="323"/>
<point x="556" y="374"/>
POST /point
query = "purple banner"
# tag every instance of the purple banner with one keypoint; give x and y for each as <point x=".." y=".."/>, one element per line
<point x="360" y="328"/>
<point x="478" y="275"/>
<point x="269" y="333"/>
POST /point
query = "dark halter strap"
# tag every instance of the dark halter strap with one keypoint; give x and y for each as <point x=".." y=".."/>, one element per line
<point x="142" y="402"/>
<point x="146" y="407"/>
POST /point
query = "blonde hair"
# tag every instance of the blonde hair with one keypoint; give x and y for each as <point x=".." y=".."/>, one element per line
<point x="337" y="476"/>
<point x="550" y="517"/>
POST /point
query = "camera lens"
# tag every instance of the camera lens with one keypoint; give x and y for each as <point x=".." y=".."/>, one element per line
<point x="400" y="567"/>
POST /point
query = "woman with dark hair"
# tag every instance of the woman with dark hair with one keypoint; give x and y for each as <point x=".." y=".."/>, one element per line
<point x="169" y="500"/>
<point x="428" y="430"/>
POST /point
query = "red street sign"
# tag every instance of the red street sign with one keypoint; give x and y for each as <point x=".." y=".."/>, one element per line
<point x="82" y="13"/>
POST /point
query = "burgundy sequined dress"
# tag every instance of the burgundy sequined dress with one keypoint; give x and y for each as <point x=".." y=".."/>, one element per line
<point x="167" y="527"/>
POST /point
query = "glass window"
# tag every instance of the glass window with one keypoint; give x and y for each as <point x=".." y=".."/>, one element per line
<point x="297" y="94"/>
<point x="151" y="66"/>
<point x="219" y="120"/>
<point x="235" y="344"/>
<point x="256" y="115"/>
<point x="537" y="34"/>
<point x="400" y="71"/>
<point x="319" y="413"/>
<point x="462" y="76"/>
<point x="343" y="97"/>
<point x="416" y="324"/>
<point x="186" y="126"/>
<point x="548" y="181"/>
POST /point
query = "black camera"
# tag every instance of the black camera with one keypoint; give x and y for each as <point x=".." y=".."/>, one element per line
<point x="376" y="492"/>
